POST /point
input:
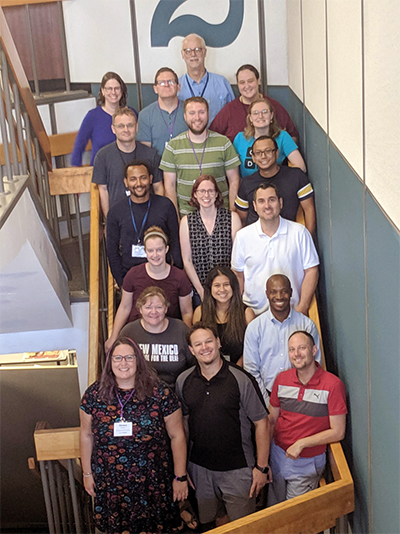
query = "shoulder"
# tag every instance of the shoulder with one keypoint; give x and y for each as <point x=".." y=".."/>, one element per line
<point x="118" y="208"/>
<point x="218" y="78"/>
<point x="160" y="201"/>
<point x="177" y="325"/>
<point x="148" y="110"/>
<point x="331" y="379"/>
<point x="107" y="151"/>
<point x="145" y="150"/>
<point x="219" y="139"/>
<point x="180" y="381"/>
<point x="132" y="329"/>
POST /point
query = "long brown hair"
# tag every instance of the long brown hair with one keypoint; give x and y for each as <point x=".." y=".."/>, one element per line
<point x="236" y="323"/>
<point x="124" y="90"/>
<point x="274" y="128"/>
<point x="145" y="379"/>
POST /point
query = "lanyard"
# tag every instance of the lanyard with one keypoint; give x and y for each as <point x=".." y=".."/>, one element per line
<point x="190" y="87"/>
<point x="138" y="234"/>
<point x="199" y="163"/>
<point x="122" y="406"/>
<point x="175" y="112"/>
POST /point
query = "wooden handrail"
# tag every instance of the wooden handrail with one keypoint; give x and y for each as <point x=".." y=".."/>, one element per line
<point x="14" y="61"/>
<point x="70" y="180"/>
<point x="57" y="443"/>
<point x="10" y="3"/>
<point x="94" y="285"/>
<point x="63" y="144"/>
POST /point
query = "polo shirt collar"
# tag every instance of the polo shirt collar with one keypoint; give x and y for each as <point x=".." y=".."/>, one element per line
<point x="282" y="228"/>
<point x="272" y="318"/>
<point x="201" y="82"/>
<point x="222" y="373"/>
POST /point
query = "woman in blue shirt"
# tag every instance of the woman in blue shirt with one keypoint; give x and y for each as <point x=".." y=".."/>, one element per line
<point x="261" y="121"/>
<point x="96" y="125"/>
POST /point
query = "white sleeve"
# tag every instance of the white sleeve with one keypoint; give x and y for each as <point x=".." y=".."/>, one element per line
<point x="237" y="261"/>
<point x="251" y="356"/>
<point x="309" y="252"/>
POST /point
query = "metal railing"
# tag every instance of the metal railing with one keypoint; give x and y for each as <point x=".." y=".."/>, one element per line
<point x="68" y="507"/>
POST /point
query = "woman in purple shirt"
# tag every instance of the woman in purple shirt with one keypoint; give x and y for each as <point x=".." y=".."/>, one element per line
<point x="96" y="126"/>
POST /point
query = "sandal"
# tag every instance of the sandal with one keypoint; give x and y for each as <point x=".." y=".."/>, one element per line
<point x="188" y="515"/>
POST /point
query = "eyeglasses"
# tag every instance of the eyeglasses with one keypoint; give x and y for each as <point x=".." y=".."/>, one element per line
<point x="262" y="112"/>
<point x="204" y="192"/>
<point x="165" y="83"/>
<point x="197" y="51"/>
<point x="109" y="90"/>
<point x="266" y="152"/>
<point x="117" y="358"/>
<point x="130" y="126"/>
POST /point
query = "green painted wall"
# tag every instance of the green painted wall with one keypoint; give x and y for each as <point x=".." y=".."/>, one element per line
<point x="359" y="299"/>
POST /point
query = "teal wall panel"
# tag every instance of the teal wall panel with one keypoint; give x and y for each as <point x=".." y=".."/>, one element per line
<point x="383" y="264"/>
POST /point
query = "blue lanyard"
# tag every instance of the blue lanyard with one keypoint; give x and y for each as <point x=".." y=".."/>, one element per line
<point x="190" y="87"/>
<point x="143" y="222"/>
<point x="175" y="112"/>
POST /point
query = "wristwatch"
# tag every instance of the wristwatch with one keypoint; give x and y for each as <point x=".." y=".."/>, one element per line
<point x="181" y="479"/>
<point x="263" y="470"/>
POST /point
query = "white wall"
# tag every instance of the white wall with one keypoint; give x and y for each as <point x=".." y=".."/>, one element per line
<point x="337" y="43"/>
<point x="99" y="39"/>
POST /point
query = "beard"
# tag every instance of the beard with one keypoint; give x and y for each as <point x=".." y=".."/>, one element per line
<point x="199" y="131"/>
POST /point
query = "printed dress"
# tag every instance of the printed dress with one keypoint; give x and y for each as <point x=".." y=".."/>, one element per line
<point x="133" y="474"/>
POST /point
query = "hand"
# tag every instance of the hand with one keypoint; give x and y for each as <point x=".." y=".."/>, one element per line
<point x="294" y="450"/>
<point x="180" y="490"/>
<point x="259" y="481"/>
<point x="108" y="344"/>
<point x="302" y="309"/>
<point x="89" y="485"/>
<point x="190" y="482"/>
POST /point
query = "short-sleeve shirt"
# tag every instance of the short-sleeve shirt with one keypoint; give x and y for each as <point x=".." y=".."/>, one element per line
<point x="175" y="285"/>
<point x="157" y="126"/>
<point x="305" y="409"/>
<point x="289" y="251"/>
<point x="109" y="166"/>
<point x="178" y="157"/>
<point x="220" y="412"/>
<point x="167" y="352"/>
<point x="293" y="186"/>
<point x="243" y="147"/>
<point x="213" y="87"/>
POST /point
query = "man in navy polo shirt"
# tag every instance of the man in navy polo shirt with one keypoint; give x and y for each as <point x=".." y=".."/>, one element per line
<point x="307" y="411"/>
<point x="220" y="401"/>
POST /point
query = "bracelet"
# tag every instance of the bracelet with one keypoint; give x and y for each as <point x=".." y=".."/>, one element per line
<point x="181" y="479"/>
<point x="87" y="475"/>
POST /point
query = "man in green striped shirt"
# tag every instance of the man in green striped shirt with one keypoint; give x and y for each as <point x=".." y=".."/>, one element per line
<point x="199" y="151"/>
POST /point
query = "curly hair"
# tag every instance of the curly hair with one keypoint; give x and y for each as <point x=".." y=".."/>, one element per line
<point x="145" y="378"/>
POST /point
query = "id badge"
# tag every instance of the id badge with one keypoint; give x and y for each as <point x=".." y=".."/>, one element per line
<point x="123" y="428"/>
<point x="138" y="251"/>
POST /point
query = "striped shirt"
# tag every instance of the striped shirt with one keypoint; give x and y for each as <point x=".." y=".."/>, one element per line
<point x="179" y="157"/>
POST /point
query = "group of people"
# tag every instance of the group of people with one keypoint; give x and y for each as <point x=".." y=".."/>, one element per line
<point x="212" y="377"/>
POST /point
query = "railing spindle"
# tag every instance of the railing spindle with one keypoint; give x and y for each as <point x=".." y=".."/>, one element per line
<point x="74" y="497"/>
<point x="18" y="118"/>
<point x="47" y="499"/>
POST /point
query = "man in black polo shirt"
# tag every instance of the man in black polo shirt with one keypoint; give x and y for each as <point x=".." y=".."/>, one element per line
<point x="220" y="401"/>
<point x="292" y="183"/>
<point x="130" y="217"/>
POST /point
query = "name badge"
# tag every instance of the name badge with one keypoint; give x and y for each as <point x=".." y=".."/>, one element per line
<point x="138" y="251"/>
<point x="123" y="428"/>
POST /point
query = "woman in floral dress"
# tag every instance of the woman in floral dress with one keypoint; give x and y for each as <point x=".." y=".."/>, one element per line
<point x="130" y="425"/>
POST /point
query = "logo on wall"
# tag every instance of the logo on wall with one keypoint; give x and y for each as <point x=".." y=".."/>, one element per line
<point x="215" y="35"/>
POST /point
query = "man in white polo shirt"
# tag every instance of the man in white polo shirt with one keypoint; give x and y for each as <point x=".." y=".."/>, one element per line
<point x="274" y="245"/>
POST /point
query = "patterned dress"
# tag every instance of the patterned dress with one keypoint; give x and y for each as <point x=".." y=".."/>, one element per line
<point x="210" y="250"/>
<point x="133" y="475"/>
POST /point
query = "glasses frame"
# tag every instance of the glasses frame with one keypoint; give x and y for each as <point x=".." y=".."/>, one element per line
<point x="265" y="152"/>
<point x="188" y="51"/>
<point x="121" y="358"/>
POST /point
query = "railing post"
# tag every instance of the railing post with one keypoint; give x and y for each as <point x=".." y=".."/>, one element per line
<point x="10" y="118"/>
<point x="53" y="495"/>
<point x="80" y="242"/>
<point x="64" y="49"/>
<point x="61" y="498"/>
<point x="4" y="136"/>
<point x="74" y="497"/>
<point x="47" y="499"/>
<point x="20" y="132"/>
<point x="31" y="161"/>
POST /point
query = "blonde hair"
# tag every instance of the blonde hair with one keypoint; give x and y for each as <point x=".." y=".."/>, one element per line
<point x="150" y="292"/>
<point x="274" y="128"/>
<point x="155" y="231"/>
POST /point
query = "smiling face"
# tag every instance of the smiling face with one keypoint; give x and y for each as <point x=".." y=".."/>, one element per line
<point x="261" y="115"/>
<point x="205" y="346"/>
<point x="265" y="155"/>
<point x="205" y="194"/>
<point x="248" y="85"/>
<point x="196" y="117"/>
<point x="153" y="312"/>
<point x="124" y="371"/>
<point x="221" y="289"/>
<point x="156" y="251"/>
<point x="112" y="92"/>
<point x="279" y="293"/>
<point x="267" y="205"/>
<point x="302" y="352"/>
<point x="138" y="182"/>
